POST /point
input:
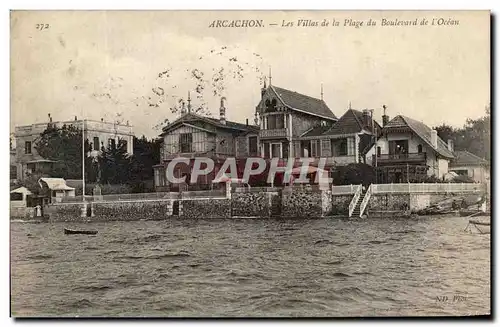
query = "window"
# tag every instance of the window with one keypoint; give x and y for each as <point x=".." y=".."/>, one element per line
<point x="463" y="172"/>
<point x="326" y="148"/>
<point x="266" y="150"/>
<point x="342" y="147"/>
<point x="252" y="145"/>
<point x="280" y="122"/>
<point x="379" y="151"/>
<point x="112" y="143"/>
<point x="125" y="144"/>
<point x="285" y="147"/>
<point x="419" y="148"/>
<point x="314" y="148"/>
<point x="186" y="142"/>
<point x="27" y="147"/>
<point x="16" y="196"/>
<point x="271" y="122"/>
<point x="275" y="148"/>
<point x="96" y="143"/>
<point x="271" y="105"/>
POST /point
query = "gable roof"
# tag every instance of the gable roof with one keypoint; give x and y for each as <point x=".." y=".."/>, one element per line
<point x="423" y="131"/>
<point x="303" y="103"/>
<point x="351" y="122"/>
<point x="316" y="131"/>
<point x="56" y="184"/>
<point x="465" y="158"/>
<point x="190" y="117"/>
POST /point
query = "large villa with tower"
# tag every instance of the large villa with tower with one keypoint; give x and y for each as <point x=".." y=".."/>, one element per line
<point x="289" y="125"/>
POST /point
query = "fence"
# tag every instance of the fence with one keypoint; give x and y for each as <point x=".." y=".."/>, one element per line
<point x="148" y="196"/>
<point x="427" y="188"/>
<point x="344" y="189"/>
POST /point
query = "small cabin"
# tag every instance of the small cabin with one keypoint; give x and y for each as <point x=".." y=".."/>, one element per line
<point x="57" y="188"/>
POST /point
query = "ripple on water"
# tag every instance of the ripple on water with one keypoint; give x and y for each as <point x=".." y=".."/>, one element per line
<point x="317" y="267"/>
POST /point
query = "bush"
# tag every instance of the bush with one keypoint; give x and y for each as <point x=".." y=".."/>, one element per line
<point x="105" y="189"/>
<point x="357" y="173"/>
<point x="462" y="179"/>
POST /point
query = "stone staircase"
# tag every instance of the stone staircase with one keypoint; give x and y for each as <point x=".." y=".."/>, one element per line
<point x="357" y="208"/>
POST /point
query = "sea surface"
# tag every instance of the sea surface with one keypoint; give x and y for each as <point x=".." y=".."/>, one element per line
<point x="423" y="266"/>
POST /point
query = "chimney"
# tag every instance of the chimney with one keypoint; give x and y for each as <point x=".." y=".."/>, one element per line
<point x="256" y="119"/>
<point x="222" y="111"/>
<point x="189" y="102"/>
<point x="50" y="118"/>
<point x="434" y="138"/>
<point x="247" y="121"/>
<point x="76" y="118"/>
<point x="263" y="90"/>
<point x="102" y="119"/>
<point x="367" y="118"/>
<point x="450" y="145"/>
<point x="183" y="108"/>
<point x="385" y="118"/>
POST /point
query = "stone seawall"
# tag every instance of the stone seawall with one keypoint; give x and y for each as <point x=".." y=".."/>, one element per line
<point x="65" y="212"/>
<point x="206" y="208"/>
<point x="151" y="210"/>
<point x="302" y="204"/>
<point x="251" y="204"/>
<point x="109" y="211"/>
<point x="286" y="203"/>
<point x="340" y="205"/>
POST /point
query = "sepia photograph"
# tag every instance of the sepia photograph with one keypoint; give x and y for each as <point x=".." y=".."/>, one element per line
<point x="250" y="164"/>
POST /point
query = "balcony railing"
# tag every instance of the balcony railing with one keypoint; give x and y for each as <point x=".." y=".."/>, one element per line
<point x="401" y="158"/>
<point x="273" y="133"/>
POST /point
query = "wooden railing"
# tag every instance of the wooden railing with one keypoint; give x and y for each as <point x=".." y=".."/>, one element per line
<point x="364" y="203"/>
<point x="401" y="157"/>
<point x="427" y="187"/>
<point x="355" y="199"/>
<point x="271" y="133"/>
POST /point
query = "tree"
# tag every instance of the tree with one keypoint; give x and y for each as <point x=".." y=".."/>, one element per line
<point x="474" y="136"/>
<point x="146" y="155"/>
<point x="63" y="145"/>
<point x="114" y="164"/>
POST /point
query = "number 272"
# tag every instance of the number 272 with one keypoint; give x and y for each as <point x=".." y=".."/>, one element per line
<point x="42" y="26"/>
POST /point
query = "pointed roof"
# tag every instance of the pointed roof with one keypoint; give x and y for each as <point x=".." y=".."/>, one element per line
<point x="192" y="117"/>
<point x="465" y="158"/>
<point x="303" y="103"/>
<point x="351" y="122"/>
<point x="423" y="131"/>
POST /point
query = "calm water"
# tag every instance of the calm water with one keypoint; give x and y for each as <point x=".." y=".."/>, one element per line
<point x="247" y="267"/>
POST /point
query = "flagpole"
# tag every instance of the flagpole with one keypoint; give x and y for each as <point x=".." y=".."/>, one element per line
<point x="83" y="159"/>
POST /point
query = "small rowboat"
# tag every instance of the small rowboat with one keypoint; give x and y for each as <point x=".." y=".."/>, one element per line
<point x="482" y="227"/>
<point x="86" y="232"/>
<point x="477" y="222"/>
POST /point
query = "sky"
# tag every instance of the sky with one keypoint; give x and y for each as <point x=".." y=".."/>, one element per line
<point x="109" y="64"/>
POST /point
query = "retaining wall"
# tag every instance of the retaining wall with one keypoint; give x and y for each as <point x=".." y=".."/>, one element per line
<point x="206" y="208"/>
<point x="251" y="204"/>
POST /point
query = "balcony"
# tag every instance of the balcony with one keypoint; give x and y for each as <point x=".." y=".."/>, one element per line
<point x="402" y="158"/>
<point x="273" y="133"/>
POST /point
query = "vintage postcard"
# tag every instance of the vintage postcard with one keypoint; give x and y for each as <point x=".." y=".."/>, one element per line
<point x="250" y="163"/>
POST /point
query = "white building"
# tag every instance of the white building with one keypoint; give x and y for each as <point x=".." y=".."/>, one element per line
<point x="98" y="134"/>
